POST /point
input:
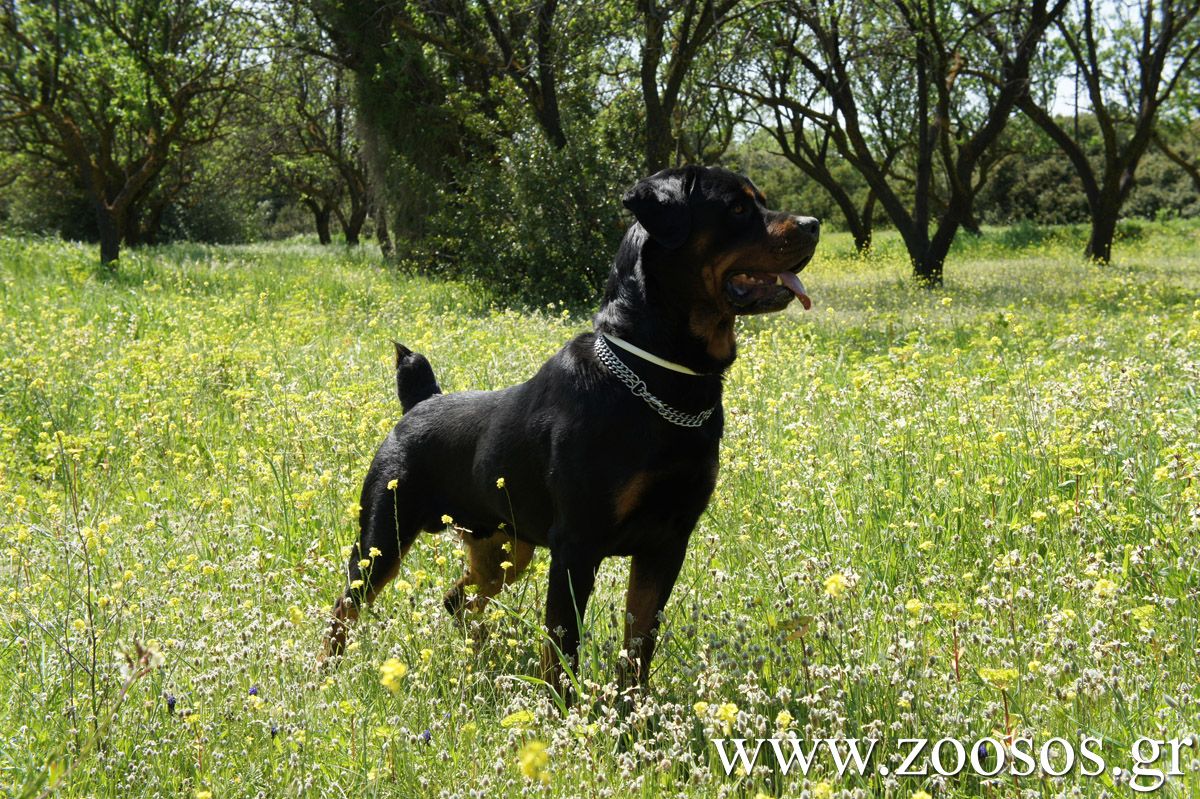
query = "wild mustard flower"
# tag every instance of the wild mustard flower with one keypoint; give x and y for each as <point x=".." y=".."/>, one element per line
<point x="520" y="718"/>
<point x="533" y="759"/>
<point x="391" y="672"/>
<point x="392" y="484"/>
<point x="727" y="714"/>
<point x="1144" y="616"/>
<point x="1000" y="679"/>
<point x="836" y="585"/>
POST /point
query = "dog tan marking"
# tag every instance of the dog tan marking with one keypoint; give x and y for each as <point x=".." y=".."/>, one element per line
<point x="484" y="570"/>
<point x="713" y="322"/>
<point x="643" y="603"/>
<point x="782" y="228"/>
<point x="630" y="495"/>
<point x="716" y="330"/>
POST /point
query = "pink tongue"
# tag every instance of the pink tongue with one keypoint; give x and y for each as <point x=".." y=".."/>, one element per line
<point x="790" y="280"/>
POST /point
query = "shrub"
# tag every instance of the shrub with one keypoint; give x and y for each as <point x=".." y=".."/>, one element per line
<point x="536" y="225"/>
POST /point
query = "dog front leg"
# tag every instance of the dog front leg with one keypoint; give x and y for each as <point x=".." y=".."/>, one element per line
<point x="651" y="578"/>
<point x="572" y="578"/>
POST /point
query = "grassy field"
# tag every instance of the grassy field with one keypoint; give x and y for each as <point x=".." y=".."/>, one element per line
<point x="955" y="514"/>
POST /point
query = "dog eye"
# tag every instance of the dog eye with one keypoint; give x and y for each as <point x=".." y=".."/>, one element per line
<point x="738" y="208"/>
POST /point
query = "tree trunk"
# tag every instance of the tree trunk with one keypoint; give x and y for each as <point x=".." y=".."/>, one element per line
<point x="321" y="215"/>
<point x="323" y="233"/>
<point x="866" y="225"/>
<point x="927" y="268"/>
<point x="971" y="224"/>
<point x="352" y="226"/>
<point x="862" y="236"/>
<point x="1104" y="229"/>
<point x="387" y="248"/>
<point x="110" y="234"/>
<point x="132" y="229"/>
<point x="154" y="222"/>
<point x="547" y="82"/>
<point x="659" y="142"/>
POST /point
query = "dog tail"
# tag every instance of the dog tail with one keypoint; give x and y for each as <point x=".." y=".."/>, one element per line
<point x="415" y="382"/>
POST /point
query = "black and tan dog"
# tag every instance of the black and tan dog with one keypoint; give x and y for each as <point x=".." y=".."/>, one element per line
<point x="611" y="448"/>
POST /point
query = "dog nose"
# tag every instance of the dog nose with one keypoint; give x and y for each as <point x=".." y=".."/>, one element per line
<point x="810" y="225"/>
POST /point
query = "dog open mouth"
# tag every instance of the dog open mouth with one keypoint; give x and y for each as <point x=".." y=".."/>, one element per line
<point x="755" y="287"/>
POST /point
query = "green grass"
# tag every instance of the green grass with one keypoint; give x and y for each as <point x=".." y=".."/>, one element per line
<point x="1006" y="471"/>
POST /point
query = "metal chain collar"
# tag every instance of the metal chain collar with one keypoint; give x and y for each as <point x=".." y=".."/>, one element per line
<point x="639" y="389"/>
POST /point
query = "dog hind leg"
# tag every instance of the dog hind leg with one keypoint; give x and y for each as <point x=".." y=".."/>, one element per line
<point x="486" y="572"/>
<point x="388" y="527"/>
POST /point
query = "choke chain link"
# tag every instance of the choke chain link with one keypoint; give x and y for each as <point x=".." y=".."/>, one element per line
<point x="639" y="389"/>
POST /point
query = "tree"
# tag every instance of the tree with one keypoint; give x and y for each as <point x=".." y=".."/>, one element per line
<point x="509" y="40"/>
<point x="307" y="138"/>
<point x="785" y="93"/>
<point x="953" y="97"/>
<point x="690" y="26"/>
<point x="1177" y="134"/>
<point x="411" y="132"/>
<point x="1130" y="62"/>
<point x="116" y="91"/>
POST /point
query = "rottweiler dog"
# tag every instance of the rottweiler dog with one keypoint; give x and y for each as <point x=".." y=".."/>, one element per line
<point x="611" y="448"/>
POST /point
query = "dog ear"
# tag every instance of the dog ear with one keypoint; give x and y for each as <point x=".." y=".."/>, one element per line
<point x="660" y="204"/>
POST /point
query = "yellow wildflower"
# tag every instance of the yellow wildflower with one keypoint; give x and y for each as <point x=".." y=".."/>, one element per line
<point x="391" y="672"/>
<point x="727" y="715"/>
<point x="836" y="585"/>
<point x="521" y="718"/>
<point x="999" y="679"/>
<point x="534" y="758"/>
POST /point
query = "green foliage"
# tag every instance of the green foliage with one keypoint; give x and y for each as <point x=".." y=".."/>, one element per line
<point x="119" y="97"/>
<point x="537" y="225"/>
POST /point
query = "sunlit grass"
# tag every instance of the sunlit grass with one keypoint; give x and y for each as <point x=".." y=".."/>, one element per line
<point x="916" y="486"/>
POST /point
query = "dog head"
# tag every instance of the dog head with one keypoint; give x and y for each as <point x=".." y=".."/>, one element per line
<point x="714" y="247"/>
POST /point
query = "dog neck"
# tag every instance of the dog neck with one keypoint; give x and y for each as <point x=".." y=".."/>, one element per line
<point x="638" y="310"/>
<point x="649" y="356"/>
